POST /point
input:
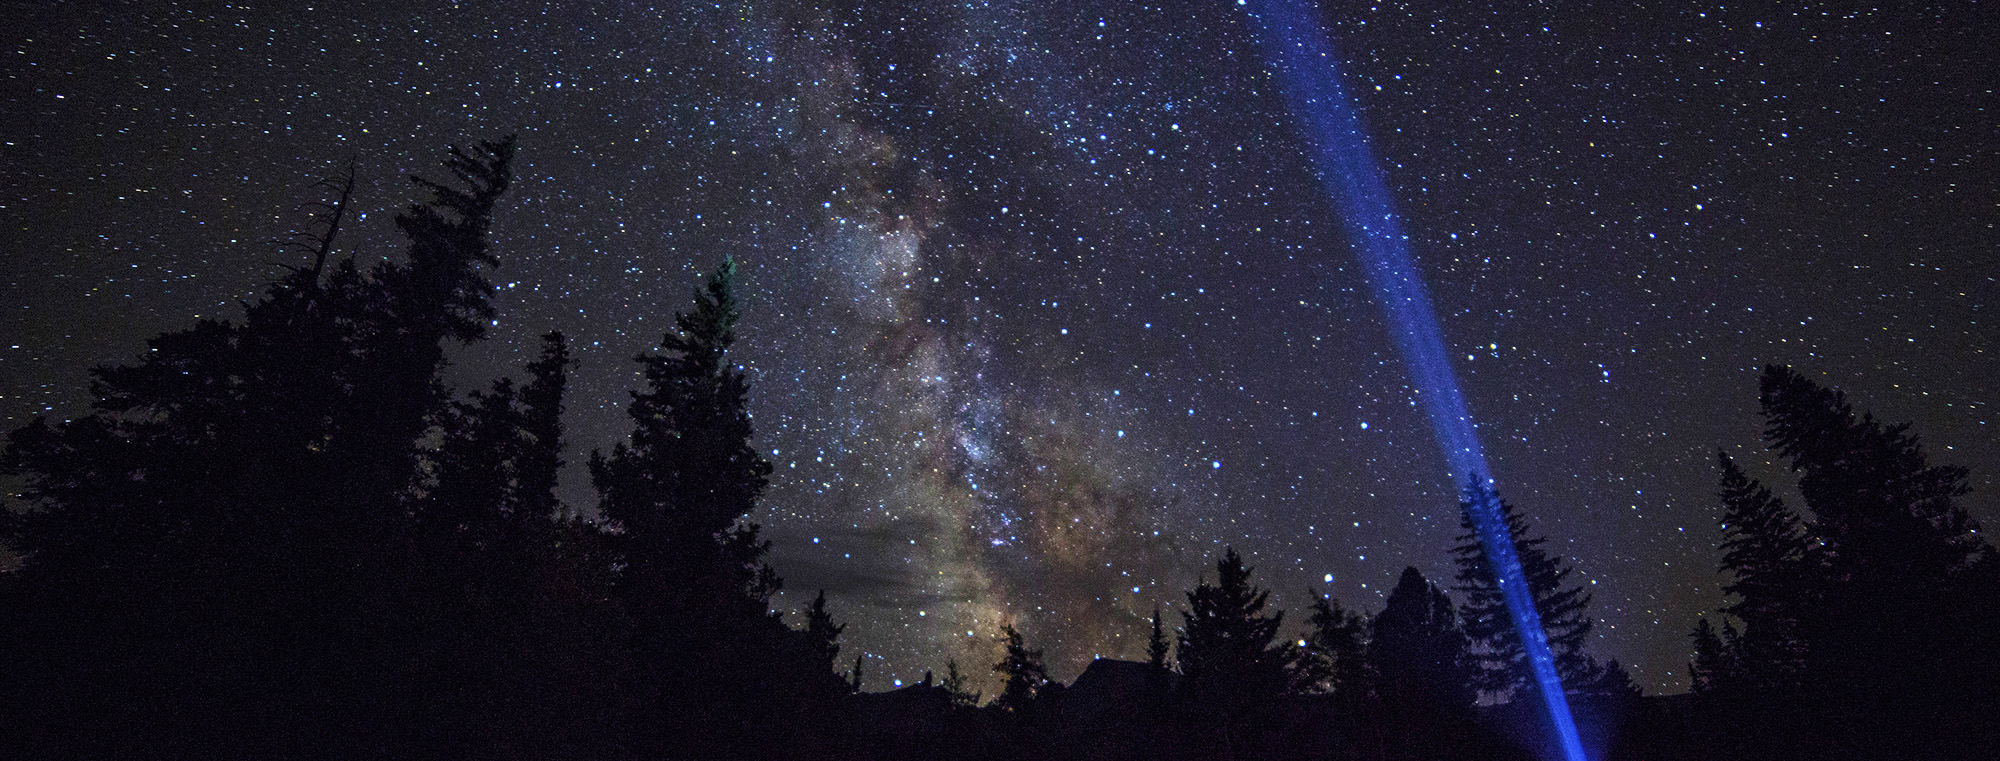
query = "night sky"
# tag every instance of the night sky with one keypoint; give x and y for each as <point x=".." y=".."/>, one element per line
<point x="1044" y="304"/>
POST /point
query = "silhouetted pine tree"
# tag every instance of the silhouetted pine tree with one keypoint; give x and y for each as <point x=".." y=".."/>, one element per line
<point x="679" y="489"/>
<point x="1156" y="644"/>
<point x="475" y="468"/>
<point x="1334" y="658"/>
<point x="822" y="634"/>
<point x="1423" y="673"/>
<point x="437" y="293"/>
<point x="540" y="459"/>
<point x="1418" y="650"/>
<point x="1884" y="511"/>
<point x="1226" y="649"/>
<point x="1022" y="672"/>
<point x="215" y="554"/>
<point x="1904" y="609"/>
<point x="1710" y="671"/>
<point x="718" y="671"/>
<point x="1232" y="668"/>
<point x="557" y="669"/>
<point x="493" y="557"/>
<point x="470" y="586"/>
<point x="1496" y="646"/>
<point x="1772" y="569"/>
<point x="1764" y="547"/>
<point x="954" y="685"/>
<point x="1614" y="684"/>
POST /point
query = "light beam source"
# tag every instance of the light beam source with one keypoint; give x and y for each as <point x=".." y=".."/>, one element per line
<point x="1302" y="61"/>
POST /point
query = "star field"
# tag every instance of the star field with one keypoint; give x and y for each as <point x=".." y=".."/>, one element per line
<point x="1045" y="306"/>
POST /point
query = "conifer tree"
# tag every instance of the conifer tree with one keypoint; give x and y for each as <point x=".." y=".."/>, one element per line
<point x="1022" y="670"/>
<point x="226" y="522"/>
<point x="822" y="634"/>
<point x="1709" y="672"/>
<point x="1614" y="684"/>
<point x="437" y="293"/>
<point x="954" y="685"/>
<point x="1418" y="650"/>
<point x="540" y="459"/>
<point x="1226" y="650"/>
<point x="303" y="417"/>
<point x="1772" y="569"/>
<point x="1422" y="675"/>
<point x="1156" y="644"/>
<point x="677" y="494"/>
<point x="495" y="467"/>
<point x="1496" y="646"/>
<point x="473" y="598"/>
<point x="1764" y="546"/>
<point x="475" y="466"/>
<point x="1878" y="503"/>
<point x="680" y="488"/>
<point x="1903" y="601"/>
<point x="1338" y="646"/>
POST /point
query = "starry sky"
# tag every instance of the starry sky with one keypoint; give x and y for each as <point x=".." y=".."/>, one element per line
<point x="1044" y="306"/>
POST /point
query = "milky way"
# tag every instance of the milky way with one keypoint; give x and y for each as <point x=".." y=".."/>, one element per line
<point x="978" y="489"/>
<point x="1030" y="282"/>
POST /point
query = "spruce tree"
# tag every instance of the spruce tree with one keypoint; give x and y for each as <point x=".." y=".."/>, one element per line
<point x="436" y="294"/>
<point x="228" y="522"/>
<point x="954" y="685"/>
<point x="679" y="489"/>
<point x="1764" y="545"/>
<point x="1772" y="572"/>
<point x="1228" y="657"/>
<point x="541" y="448"/>
<point x="1904" y="601"/>
<point x="1710" y="672"/>
<point x="1614" y="684"/>
<point x="495" y="565"/>
<point x="1418" y="650"/>
<point x="677" y="494"/>
<point x="1422" y="674"/>
<point x="1503" y="670"/>
<point x="1022" y="672"/>
<point x="822" y="634"/>
<point x="1156" y="644"/>
<point x="1882" y="508"/>
<point x="475" y="469"/>
<point x="1338" y="646"/>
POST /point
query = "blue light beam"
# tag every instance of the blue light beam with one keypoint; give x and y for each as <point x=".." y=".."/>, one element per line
<point x="1303" y="63"/>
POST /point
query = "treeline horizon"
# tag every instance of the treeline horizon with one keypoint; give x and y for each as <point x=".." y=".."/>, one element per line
<point x="285" y="536"/>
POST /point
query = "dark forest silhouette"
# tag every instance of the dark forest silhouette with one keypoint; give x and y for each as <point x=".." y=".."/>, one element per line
<point x="285" y="537"/>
